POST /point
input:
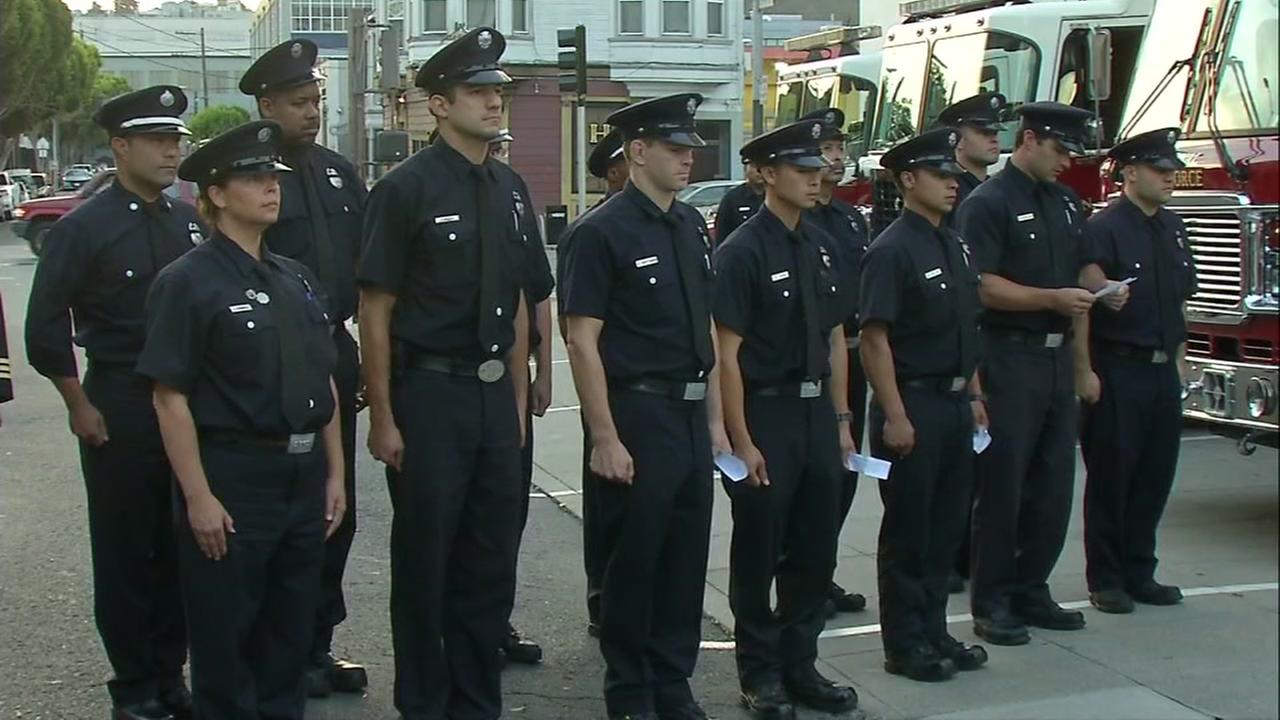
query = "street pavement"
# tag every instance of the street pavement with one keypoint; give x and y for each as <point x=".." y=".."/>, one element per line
<point x="1213" y="657"/>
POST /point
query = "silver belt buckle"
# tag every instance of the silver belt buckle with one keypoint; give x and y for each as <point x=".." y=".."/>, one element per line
<point x="852" y="343"/>
<point x="1054" y="340"/>
<point x="694" y="392"/>
<point x="810" y="389"/>
<point x="1159" y="357"/>
<point x="301" y="444"/>
<point x="491" y="371"/>
<point x="957" y="384"/>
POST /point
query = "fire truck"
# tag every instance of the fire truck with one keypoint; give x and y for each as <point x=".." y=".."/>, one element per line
<point x="836" y="75"/>
<point x="1078" y="52"/>
<point x="1214" y="74"/>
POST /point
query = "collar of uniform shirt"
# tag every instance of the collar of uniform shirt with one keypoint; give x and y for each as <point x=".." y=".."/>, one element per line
<point x="243" y="262"/>
<point x="646" y="204"/>
<point x="1015" y="174"/>
<point x="774" y="224"/>
<point x="919" y="222"/>
<point x="457" y="163"/>
<point x="1137" y="214"/>
<point x="125" y="194"/>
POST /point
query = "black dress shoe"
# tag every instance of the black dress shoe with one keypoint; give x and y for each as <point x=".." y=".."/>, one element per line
<point x="1050" y="616"/>
<point x="965" y="657"/>
<point x="518" y="650"/>
<point x="688" y="711"/>
<point x="1116" y="602"/>
<point x="955" y="584"/>
<point x="921" y="663"/>
<point x="809" y="688"/>
<point x="1153" y="593"/>
<point x="149" y="710"/>
<point x="1001" y="629"/>
<point x="846" y="602"/>
<point x="343" y="676"/>
<point x="177" y="700"/>
<point x="768" y="702"/>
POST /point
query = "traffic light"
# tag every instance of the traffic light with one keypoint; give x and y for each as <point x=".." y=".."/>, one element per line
<point x="573" y="60"/>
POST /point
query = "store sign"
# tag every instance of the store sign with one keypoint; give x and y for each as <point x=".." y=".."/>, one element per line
<point x="596" y="130"/>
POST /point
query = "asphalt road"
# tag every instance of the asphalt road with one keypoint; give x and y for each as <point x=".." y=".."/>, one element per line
<point x="1213" y="657"/>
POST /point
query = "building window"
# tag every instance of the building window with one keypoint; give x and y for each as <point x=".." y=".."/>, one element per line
<point x="675" y="17"/>
<point x="434" y="17"/>
<point x="631" y="17"/>
<point x="520" y="16"/>
<point x="715" y="17"/>
<point x="480" y="13"/>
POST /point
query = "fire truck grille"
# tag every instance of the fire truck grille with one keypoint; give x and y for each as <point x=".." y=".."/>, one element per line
<point x="1213" y="232"/>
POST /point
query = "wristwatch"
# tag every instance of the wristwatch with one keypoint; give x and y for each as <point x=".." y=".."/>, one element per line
<point x="977" y="398"/>
<point x="844" y="417"/>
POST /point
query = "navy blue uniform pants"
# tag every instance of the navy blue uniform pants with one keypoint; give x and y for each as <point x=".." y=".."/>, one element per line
<point x="453" y="543"/>
<point x="250" y="615"/>
<point x="136" y="601"/>
<point x="1130" y="442"/>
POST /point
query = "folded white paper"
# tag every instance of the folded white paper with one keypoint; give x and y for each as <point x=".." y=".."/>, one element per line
<point x="1113" y="287"/>
<point x="867" y="465"/>
<point x="732" y="466"/>
<point x="981" y="439"/>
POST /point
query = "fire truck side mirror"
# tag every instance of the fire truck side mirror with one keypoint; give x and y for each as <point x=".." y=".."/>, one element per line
<point x="1099" y="65"/>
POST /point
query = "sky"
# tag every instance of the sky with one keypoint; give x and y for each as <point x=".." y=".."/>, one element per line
<point x="83" y="5"/>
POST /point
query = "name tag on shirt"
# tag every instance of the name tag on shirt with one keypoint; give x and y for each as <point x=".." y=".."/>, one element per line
<point x="933" y="273"/>
<point x="447" y="219"/>
<point x="780" y="276"/>
<point x="646" y="262"/>
<point x="241" y="308"/>
<point x="744" y="209"/>
<point x="1024" y="217"/>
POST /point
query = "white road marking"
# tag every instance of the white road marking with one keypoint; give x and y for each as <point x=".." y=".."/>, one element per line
<point x="564" y="408"/>
<point x="873" y="629"/>
<point x="554" y="493"/>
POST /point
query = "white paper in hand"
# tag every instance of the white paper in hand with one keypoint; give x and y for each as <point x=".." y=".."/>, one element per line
<point x="981" y="439"/>
<point x="1113" y="287"/>
<point x="869" y="466"/>
<point x="732" y="466"/>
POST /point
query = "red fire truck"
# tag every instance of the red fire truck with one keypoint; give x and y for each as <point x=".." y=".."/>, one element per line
<point x="1214" y="73"/>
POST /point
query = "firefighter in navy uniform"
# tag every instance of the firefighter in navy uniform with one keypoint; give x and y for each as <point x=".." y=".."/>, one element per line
<point x="848" y="229"/>
<point x="97" y="266"/>
<point x="977" y="121"/>
<point x="321" y="207"/>
<point x="444" y="337"/>
<point x="538" y="287"/>
<point x="920" y="348"/>
<point x="607" y="163"/>
<point x="240" y="348"/>
<point x="1133" y="410"/>
<point x="637" y="294"/>
<point x="740" y="203"/>
<point x="779" y="315"/>
<point x="1028" y="237"/>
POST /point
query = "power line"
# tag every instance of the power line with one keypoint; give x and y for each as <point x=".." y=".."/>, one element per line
<point x="154" y="61"/>
<point x="134" y="18"/>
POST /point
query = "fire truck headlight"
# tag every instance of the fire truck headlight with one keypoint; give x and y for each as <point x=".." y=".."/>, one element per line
<point x="1261" y="396"/>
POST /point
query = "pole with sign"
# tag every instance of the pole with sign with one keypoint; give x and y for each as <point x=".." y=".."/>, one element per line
<point x="572" y="61"/>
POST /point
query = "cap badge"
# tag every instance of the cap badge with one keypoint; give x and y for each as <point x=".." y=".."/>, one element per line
<point x="953" y="139"/>
<point x="691" y="106"/>
<point x="336" y="181"/>
<point x="995" y="101"/>
<point x="817" y="130"/>
<point x="830" y="118"/>
<point x="484" y="39"/>
<point x="295" y="50"/>
<point x="1173" y="136"/>
<point x="264" y="135"/>
<point x="166" y="99"/>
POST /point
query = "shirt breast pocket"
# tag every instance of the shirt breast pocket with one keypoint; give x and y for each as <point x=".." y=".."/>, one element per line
<point x="937" y="296"/>
<point x="650" y="275"/>
<point x="448" y="245"/>
<point x="244" y="340"/>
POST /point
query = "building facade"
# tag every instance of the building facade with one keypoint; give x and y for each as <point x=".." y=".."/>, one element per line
<point x="636" y="49"/>
<point x="323" y="22"/>
<point x="163" y="47"/>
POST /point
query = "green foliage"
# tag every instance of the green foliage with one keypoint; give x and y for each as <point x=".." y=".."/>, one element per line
<point x="46" y="70"/>
<point x="215" y="120"/>
<point x="78" y="133"/>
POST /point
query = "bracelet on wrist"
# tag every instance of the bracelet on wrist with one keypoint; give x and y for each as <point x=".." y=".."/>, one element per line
<point x="844" y="417"/>
<point x="977" y="397"/>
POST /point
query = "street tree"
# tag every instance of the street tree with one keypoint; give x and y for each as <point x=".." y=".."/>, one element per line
<point x="215" y="120"/>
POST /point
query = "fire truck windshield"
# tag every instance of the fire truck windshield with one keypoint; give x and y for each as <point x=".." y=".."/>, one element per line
<point x="956" y="68"/>
<point x="855" y="96"/>
<point x="1247" y="97"/>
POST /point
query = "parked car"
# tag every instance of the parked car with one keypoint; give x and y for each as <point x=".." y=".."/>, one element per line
<point x="706" y="194"/>
<point x="12" y="194"/>
<point x="76" y="176"/>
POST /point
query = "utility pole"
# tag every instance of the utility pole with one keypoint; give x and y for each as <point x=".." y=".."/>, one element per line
<point x="357" y="75"/>
<point x="204" y="73"/>
<point x="757" y="69"/>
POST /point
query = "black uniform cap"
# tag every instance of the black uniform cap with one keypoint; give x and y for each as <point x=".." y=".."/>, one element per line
<point x="289" y="64"/>
<point x="935" y="149"/>
<point x="983" y="111"/>
<point x="795" y="143"/>
<point x="155" y="109"/>
<point x="253" y="147"/>
<point x="832" y="120"/>
<point x="667" y="118"/>
<point x="469" y="60"/>
<point x="1068" y="124"/>
<point x="1155" y="148"/>
<point x="605" y="153"/>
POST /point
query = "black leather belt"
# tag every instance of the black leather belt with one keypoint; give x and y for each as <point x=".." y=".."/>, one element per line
<point x="488" y="371"/>
<point x="937" y="384"/>
<point x="296" y="444"/>
<point x="1035" y="340"/>
<point x="691" y="392"/>
<point x="1133" y="352"/>
<point x="806" y="389"/>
